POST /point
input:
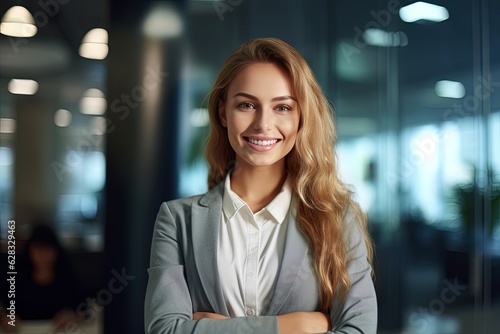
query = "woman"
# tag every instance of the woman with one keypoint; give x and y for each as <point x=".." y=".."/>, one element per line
<point x="276" y="245"/>
<point x="47" y="288"/>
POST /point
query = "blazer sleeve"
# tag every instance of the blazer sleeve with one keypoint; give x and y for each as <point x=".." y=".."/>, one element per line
<point x="358" y="313"/>
<point x="168" y="307"/>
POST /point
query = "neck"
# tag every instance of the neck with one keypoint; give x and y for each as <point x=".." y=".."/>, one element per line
<point x="258" y="186"/>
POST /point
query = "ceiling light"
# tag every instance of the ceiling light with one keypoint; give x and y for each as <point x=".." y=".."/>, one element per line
<point x="162" y="22"/>
<point x="93" y="51"/>
<point x="449" y="89"/>
<point x="378" y="37"/>
<point x="18" y="22"/>
<point x="62" y="118"/>
<point x="423" y="11"/>
<point x="23" y="86"/>
<point x="95" y="44"/>
<point x="93" y="102"/>
<point x="7" y="125"/>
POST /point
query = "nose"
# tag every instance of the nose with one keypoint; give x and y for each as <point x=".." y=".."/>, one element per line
<point x="263" y="120"/>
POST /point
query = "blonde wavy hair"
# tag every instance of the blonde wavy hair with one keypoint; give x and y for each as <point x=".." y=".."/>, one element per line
<point x="311" y="164"/>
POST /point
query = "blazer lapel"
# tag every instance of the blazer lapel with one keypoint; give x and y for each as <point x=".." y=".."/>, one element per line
<point x="206" y="216"/>
<point x="294" y="253"/>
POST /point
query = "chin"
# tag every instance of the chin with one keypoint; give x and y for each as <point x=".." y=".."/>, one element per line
<point x="263" y="162"/>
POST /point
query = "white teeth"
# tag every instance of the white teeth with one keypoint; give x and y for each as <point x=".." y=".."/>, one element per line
<point x="263" y="142"/>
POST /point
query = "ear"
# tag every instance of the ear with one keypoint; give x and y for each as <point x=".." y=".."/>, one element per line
<point x="222" y="114"/>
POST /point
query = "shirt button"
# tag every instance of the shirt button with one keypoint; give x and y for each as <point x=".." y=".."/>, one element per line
<point x="250" y="274"/>
<point x="252" y="249"/>
<point x="250" y="312"/>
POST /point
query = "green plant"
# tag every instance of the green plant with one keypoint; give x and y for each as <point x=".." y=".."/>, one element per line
<point x="472" y="197"/>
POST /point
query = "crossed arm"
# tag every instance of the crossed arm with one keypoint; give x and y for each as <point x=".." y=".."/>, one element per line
<point x="290" y="323"/>
<point x="168" y="307"/>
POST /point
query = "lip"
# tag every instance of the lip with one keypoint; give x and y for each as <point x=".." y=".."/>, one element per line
<point x="260" y="148"/>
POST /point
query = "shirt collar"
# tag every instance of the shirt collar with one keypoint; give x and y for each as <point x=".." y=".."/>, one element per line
<point x="277" y="208"/>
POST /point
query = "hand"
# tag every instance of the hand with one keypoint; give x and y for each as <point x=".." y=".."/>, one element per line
<point x="208" y="315"/>
<point x="303" y="323"/>
<point x="4" y="322"/>
<point x="63" y="318"/>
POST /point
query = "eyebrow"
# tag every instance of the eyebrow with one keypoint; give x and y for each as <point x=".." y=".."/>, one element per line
<point x="279" y="98"/>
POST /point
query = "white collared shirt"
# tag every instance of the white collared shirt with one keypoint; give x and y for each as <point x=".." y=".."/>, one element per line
<point x="250" y="248"/>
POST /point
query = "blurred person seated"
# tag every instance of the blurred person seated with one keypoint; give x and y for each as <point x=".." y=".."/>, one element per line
<point x="47" y="287"/>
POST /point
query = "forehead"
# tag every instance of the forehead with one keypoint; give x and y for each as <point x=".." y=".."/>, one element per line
<point x="263" y="80"/>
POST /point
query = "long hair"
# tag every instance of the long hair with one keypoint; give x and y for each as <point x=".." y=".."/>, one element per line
<point x="311" y="164"/>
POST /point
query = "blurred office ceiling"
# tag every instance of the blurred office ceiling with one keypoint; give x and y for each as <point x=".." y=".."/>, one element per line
<point x="51" y="56"/>
<point x="440" y="51"/>
<point x="61" y="27"/>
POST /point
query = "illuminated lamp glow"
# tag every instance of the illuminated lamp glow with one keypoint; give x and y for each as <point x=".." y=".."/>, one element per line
<point x="162" y="22"/>
<point x="7" y="125"/>
<point x="62" y="118"/>
<point x="93" y="102"/>
<point x="23" y="86"/>
<point x="423" y="11"/>
<point x="449" y="89"/>
<point x="18" y="22"/>
<point x="378" y="37"/>
<point x="94" y="44"/>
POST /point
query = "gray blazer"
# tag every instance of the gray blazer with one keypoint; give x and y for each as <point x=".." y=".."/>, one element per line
<point x="183" y="276"/>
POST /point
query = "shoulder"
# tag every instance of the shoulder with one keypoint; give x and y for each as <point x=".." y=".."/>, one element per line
<point x="176" y="210"/>
<point x="179" y="204"/>
<point x="354" y="224"/>
<point x="182" y="206"/>
<point x="353" y="214"/>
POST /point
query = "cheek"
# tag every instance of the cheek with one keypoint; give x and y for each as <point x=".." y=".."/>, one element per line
<point x="236" y="124"/>
<point x="290" y="128"/>
<point x="233" y="133"/>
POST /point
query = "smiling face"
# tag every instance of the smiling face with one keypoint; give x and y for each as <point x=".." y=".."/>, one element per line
<point x="261" y="115"/>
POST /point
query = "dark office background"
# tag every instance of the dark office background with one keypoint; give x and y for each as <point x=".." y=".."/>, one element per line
<point x="423" y="159"/>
